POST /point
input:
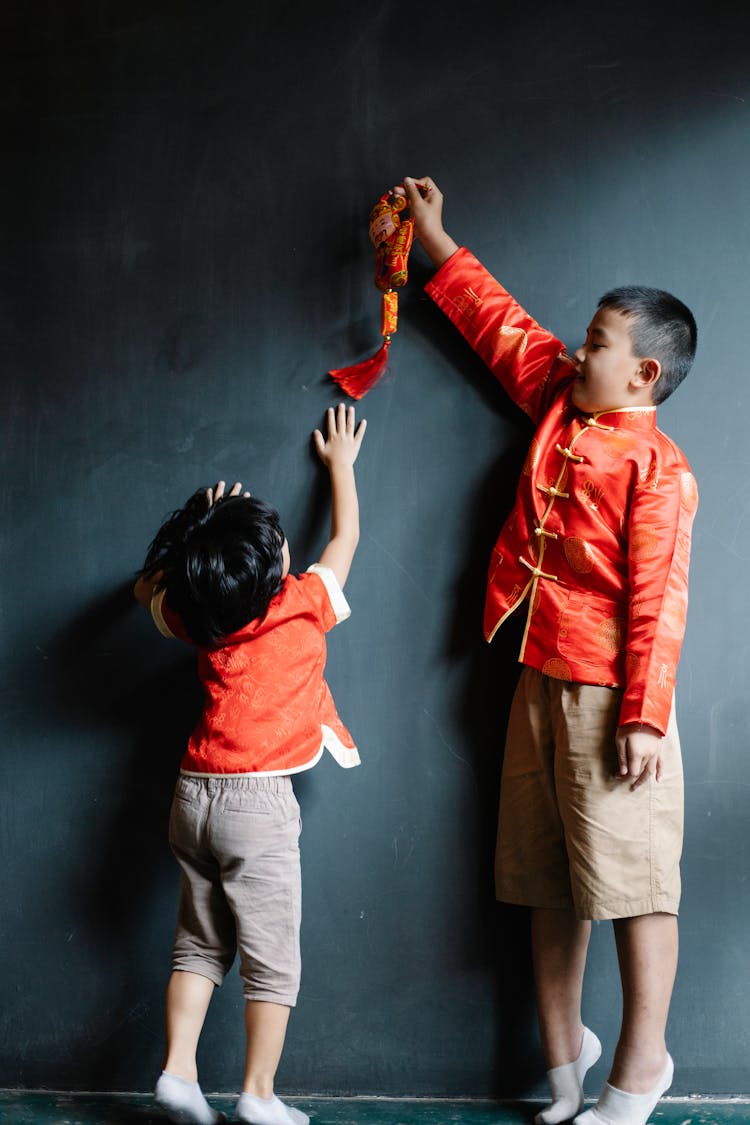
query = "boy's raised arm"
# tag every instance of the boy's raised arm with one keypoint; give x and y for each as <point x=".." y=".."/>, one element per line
<point x="338" y="452"/>
<point x="521" y="354"/>
<point x="426" y="206"/>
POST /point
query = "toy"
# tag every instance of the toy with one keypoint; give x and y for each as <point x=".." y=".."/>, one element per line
<point x="392" y="237"/>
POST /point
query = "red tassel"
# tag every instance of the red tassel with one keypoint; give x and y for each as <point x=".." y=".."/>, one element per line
<point x="357" y="380"/>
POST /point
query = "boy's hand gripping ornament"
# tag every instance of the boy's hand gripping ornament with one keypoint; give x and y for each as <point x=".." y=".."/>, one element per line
<point x="392" y="237"/>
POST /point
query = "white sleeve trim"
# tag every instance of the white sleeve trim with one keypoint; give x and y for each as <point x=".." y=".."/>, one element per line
<point x="339" y="603"/>
<point x="156" y="603"/>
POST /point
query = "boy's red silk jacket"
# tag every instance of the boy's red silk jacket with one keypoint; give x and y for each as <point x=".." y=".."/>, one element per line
<point x="596" y="549"/>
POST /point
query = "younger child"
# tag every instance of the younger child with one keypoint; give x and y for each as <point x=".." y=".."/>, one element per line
<point x="217" y="574"/>
<point x="595" y="556"/>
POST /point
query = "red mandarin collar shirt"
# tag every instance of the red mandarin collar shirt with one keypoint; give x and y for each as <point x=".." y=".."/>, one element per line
<point x="268" y="709"/>
<point x="596" y="549"/>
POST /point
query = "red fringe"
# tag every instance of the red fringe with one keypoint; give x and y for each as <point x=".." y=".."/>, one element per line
<point x="358" y="379"/>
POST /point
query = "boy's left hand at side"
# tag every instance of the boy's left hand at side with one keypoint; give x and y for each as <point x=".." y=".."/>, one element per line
<point x="638" y="753"/>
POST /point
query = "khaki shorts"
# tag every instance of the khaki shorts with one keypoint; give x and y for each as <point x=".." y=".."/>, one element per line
<point x="569" y="834"/>
<point x="237" y="842"/>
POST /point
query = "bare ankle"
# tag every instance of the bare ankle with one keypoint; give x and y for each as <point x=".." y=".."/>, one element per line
<point x="181" y="1068"/>
<point x="259" y="1087"/>
<point x="564" y="1048"/>
<point x="637" y="1071"/>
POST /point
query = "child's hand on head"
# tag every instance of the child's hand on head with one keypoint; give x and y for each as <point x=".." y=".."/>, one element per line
<point x="426" y="207"/>
<point x="341" y="446"/>
<point x="213" y="495"/>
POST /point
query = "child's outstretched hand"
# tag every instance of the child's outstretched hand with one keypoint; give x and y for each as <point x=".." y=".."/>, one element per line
<point x="342" y="444"/>
<point x="426" y="206"/>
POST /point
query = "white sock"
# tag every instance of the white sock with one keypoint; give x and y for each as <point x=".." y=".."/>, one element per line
<point x="183" y="1101"/>
<point x="566" y="1083"/>
<point x="268" y="1111"/>
<point x="618" y="1107"/>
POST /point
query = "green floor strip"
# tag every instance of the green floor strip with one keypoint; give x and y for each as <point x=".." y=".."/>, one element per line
<point x="37" y="1108"/>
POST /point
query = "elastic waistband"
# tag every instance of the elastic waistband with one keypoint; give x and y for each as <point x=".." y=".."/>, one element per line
<point x="257" y="783"/>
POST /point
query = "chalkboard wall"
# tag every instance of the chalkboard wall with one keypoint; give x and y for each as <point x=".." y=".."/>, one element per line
<point x="185" y="197"/>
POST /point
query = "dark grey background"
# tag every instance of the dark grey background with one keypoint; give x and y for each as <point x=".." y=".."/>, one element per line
<point x="185" y="197"/>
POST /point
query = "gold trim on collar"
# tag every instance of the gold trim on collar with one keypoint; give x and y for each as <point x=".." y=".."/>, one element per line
<point x="597" y="414"/>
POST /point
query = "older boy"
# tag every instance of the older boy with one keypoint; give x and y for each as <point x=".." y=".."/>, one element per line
<point x="595" y="555"/>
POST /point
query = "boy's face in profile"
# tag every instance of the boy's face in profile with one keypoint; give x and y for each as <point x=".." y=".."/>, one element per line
<point x="609" y="375"/>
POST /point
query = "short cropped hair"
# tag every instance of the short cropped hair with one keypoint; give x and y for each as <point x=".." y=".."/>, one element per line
<point x="220" y="563"/>
<point x="662" y="328"/>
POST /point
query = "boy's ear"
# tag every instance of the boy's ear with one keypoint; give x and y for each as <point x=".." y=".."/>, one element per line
<point x="648" y="373"/>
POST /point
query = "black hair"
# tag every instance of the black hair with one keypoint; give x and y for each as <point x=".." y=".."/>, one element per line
<point x="662" y="328"/>
<point x="220" y="563"/>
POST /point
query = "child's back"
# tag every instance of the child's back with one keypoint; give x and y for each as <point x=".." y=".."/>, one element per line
<point x="267" y="706"/>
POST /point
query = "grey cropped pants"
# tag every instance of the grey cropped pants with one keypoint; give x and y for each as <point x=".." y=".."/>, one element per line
<point x="237" y="842"/>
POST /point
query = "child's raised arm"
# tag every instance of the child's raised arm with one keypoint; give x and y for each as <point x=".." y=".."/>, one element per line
<point x="338" y="452"/>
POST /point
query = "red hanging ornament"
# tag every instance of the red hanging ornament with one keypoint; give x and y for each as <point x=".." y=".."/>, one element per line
<point x="392" y="237"/>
